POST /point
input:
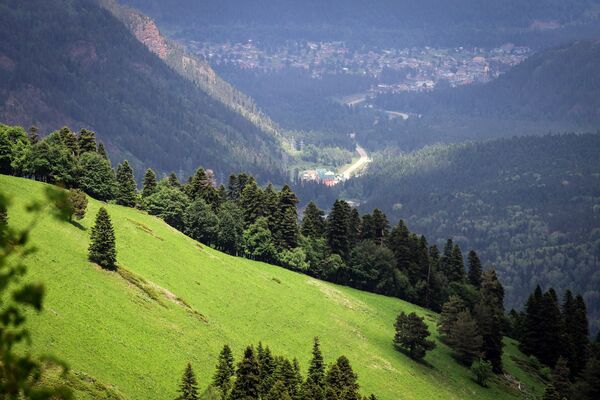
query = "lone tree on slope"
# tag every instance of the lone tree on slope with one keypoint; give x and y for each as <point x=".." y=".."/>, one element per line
<point x="102" y="249"/>
<point x="188" y="386"/>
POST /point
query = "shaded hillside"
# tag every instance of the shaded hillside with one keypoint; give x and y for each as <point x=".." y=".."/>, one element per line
<point x="176" y="300"/>
<point x="530" y="206"/>
<point x="73" y="62"/>
<point x="379" y="22"/>
<point x="554" y="90"/>
<point x="190" y="67"/>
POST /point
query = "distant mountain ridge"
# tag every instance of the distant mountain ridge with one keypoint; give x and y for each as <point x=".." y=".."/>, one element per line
<point x="72" y="62"/>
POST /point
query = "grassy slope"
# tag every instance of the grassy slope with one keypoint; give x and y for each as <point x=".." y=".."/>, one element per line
<point x="106" y="327"/>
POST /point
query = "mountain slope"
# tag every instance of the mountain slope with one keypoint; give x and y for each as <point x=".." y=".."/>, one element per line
<point x="379" y="22"/>
<point x="72" y="61"/>
<point x="195" y="299"/>
<point x="530" y="206"/>
<point x="197" y="71"/>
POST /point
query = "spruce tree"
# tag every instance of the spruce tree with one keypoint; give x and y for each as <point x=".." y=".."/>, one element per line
<point x="33" y="135"/>
<point x="314" y="387"/>
<point x="489" y="314"/>
<point x="450" y="311"/>
<point x="576" y="332"/>
<point x="560" y="379"/>
<point x="126" y="187"/>
<point x="551" y="394"/>
<point x="86" y="141"/>
<point x="341" y="381"/>
<point x="286" y="231"/>
<point x="150" y="185"/>
<point x="278" y="392"/>
<point x="69" y="139"/>
<point x="224" y="371"/>
<point x="381" y="226"/>
<point x="267" y="367"/>
<point x="102" y="151"/>
<point x="474" y="269"/>
<point x="188" y="388"/>
<point x="354" y="224"/>
<point x="338" y="228"/>
<point x="247" y="377"/>
<point x="456" y="269"/>
<point x="96" y="176"/>
<point x="551" y="343"/>
<point x="252" y="203"/>
<point x="173" y="180"/>
<point x="313" y="223"/>
<point x="411" y="335"/>
<point x="465" y="339"/>
<point x="102" y="248"/>
<point x="532" y="324"/>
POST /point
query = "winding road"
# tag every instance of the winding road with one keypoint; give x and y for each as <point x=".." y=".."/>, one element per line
<point x="360" y="164"/>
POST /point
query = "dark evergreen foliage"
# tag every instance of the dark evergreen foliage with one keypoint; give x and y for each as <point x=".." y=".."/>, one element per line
<point x="411" y="335"/>
<point x="97" y="177"/>
<point x="224" y="372"/>
<point x="102" y="249"/>
<point x="126" y="186"/>
<point x="150" y="184"/>
<point x="188" y="386"/>
<point x="313" y="222"/>
<point x="247" y="377"/>
<point x="465" y="340"/>
<point x="78" y="202"/>
<point x="474" y="269"/>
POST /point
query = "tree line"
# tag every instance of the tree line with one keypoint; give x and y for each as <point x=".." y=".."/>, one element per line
<point x="260" y="374"/>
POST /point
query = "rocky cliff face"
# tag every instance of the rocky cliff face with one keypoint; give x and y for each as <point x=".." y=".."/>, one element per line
<point x="146" y="31"/>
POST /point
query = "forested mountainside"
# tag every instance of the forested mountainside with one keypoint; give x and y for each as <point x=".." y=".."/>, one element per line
<point x="554" y="90"/>
<point x="530" y="205"/>
<point x="196" y="70"/>
<point x="73" y="62"/>
<point x="381" y="22"/>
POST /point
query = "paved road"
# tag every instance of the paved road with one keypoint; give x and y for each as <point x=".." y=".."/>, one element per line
<point x="358" y="165"/>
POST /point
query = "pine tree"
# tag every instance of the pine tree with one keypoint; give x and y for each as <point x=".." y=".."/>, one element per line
<point x="102" y="248"/>
<point x="126" y="187"/>
<point x="489" y="314"/>
<point x="224" y="371"/>
<point x="86" y="141"/>
<point x="286" y="231"/>
<point x="102" y="151"/>
<point x="188" y="386"/>
<point x="267" y="367"/>
<point x="560" y="379"/>
<point x="450" y="311"/>
<point x="247" y="378"/>
<point x="575" y="323"/>
<point x="314" y="387"/>
<point x="150" y="185"/>
<point x="474" y="269"/>
<point x="338" y="228"/>
<point x="465" y="339"/>
<point x="313" y="223"/>
<point x="411" y="335"/>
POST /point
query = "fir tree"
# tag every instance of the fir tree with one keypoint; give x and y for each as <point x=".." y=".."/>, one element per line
<point x="489" y="314"/>
<point x="576" y="332"/>
<point x="381" y="226"/>
<point x="267" y="367"/>
<point x="69" y="139"/>
<point x="173" y="180"/>
<point x="252" y="203"/>
<point x="97" y="177"/>
<point x="126" y="187"/>
<point x="454" y="306"/>
<point x="338" y="228"/>
<point x="150" y="185"/>
<point x="551" y="394"/>
<point x="224" y="371"/>
<point x="560" y="379"/>
<point x="78" y="202"/>
<point x="278" y="392"/>
<point x="247" y="378"/>
<point x="313" y="223"/>
<point x="465" y="339"/>
<point x="314" y="387"/>
<point x="33" y="135"/>
<point x="102" y="151"/>
<point x="411" y="335"/>
<point x="286" y="231"/>
<point x="354" y="226"/>
<point x="188" y="388"/>
<point x="86" y="141"/>
<point x="456" y="268"/>
<point x="587" y="386"/>
<point x="102" y="248"/>
<point x="551" y="343"/>
<point x="474" y="269"/>
<point x="342" y="381"/>
<point x="532" y="324"/>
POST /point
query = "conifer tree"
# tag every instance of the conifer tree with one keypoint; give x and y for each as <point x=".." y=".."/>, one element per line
<point x="338" y="228"/>
<point x="551" y="394"/>
<point x="575" y="323"/>
<point x="102" y="151"/>
<point x="224" y="371"/>
<point x="551" y="343"/>
<point x="456" y="268"/>
<point x="342" y="381"/>
<point x="188" y="388"/>
<point x="278" y="392"/>
<point x="126" y="187"/>
<point x="532" y="324"/>
<point x="149" y="185"/>
<point x="267" y="367"/>
<point x="252" y="203"/>
<point x="411" y="335"/>
<point x="474" y="269"/>
<point x="78" y="203"/>
<point x="560" y="379"/>
<point x="33" y="135"/>
<point x="354" y="227"/>
<point x="587" y="386"/>
<point x="173" y="180"/>
<point x="381" y="226"/>
<point x="102" y="248"/>
<point x="450" y="311"/>
<point x="465" y="339"/>
<point x="482" y="369"/>
<point x="201" y="187"/>
<point x="489" y="314"/>
<point x="69" y="139"/>
<point x="247" y="377"/>
<point x="286" y="231"/>
<point x="313" y="223"/>
<point x="314" y="387"/>
<point x="96" y="176"/>
<point x="86" y="141"/>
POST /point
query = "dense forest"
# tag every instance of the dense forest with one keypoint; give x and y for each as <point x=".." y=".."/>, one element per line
<point x="529" y="205"/>
<point x="553" y="90"/>
<point x="74" y="62"/>
<point x="382" y="22"/>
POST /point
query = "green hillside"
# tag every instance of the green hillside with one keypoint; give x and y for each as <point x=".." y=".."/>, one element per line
<point x="183" y="301"/>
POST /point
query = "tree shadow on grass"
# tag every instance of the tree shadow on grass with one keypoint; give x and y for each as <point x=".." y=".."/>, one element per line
<point x="421" y="361"/>
<point x="78" y="225"/>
